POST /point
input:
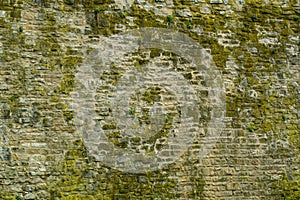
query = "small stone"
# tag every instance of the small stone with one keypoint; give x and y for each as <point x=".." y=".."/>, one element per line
<point x="29" y="196"/>
<point x="5" y="154"/>
<point x="253" y="50"/>
<point x="184" y="13"/>
<point x="69" y="2"/>
<point x="205" y="9"/>
<point x="28" y="188"/>
<point x="295" y="84"/>
<point x="142" y="180"/>
<point x="216" y="1"/>
<point x="2" y="13"/>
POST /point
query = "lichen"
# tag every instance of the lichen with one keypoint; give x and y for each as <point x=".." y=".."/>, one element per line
<point x="289" y="187"/>
<point x="80" y="178"/>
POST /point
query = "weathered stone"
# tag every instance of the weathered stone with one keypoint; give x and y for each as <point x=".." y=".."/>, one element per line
<point x="29" y="196"/>
<point x="216" y="1"/>
<point x="43" y="148"/>
<point x="69" y="2"/>
<point x="5" y="154"/>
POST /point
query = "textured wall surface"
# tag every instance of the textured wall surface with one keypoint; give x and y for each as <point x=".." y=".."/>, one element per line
<point x="255" y="46"/>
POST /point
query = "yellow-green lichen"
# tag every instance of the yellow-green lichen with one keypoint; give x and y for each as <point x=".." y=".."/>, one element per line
<point x="83" y="179"/>
<point x="289" y="187"/>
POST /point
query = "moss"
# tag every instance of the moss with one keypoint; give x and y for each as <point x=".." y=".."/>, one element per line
<point x="54" y="99"/>
<point x="66" y="85"/>
<point x="149" y="18"/>
<point x="131" y="111"/>
<point x="289" y="188"/>
<point x="50" y="17"/>
<point x="109" y="126"/>
<point x="283" y="118"/>
<point x="68" y="63"/>
<point x="163" y="133"/>
<point x="170" y="19"/>
<point x="97" y="10"/>
<point x="84" y="180"/>
<point x="189" y="25"/>
<point x="68" y="115"/>
<point x="77" y="197"/>
<point x="16" y="13"/>
<point x="251" y="128"/>
<point x="155" y="53"/>
<point x="105" y="183"/>
<point x="13" y="110"/>
<point x="7" y="196"/>
<point x="122" y="14"/>
<point x="115" y="134"/>
<point x="152" y="95"/>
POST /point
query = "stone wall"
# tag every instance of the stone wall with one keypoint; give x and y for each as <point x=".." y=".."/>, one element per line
<point x="255" y="47"/>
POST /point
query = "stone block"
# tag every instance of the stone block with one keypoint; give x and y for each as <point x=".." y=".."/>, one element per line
<point x="216" y="1"/>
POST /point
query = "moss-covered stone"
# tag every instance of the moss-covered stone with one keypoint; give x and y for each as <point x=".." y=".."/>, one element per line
<point x="254" y="45"/>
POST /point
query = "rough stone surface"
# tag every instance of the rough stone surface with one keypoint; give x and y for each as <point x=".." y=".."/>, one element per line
<point x="255" y="46"/>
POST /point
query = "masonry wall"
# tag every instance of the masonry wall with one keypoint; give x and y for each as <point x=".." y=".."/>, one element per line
<point x="255" y="46"/>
